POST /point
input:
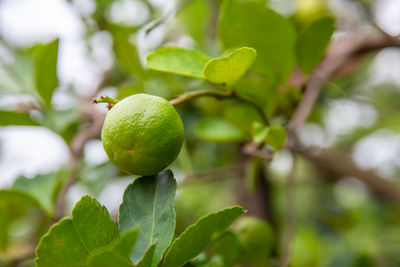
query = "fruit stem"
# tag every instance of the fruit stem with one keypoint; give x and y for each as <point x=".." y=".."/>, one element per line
<point x="106" y="99"/>
<point x="220" y="95"/>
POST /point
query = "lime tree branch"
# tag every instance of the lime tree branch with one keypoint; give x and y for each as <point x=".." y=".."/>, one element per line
<point x="338" y="54"/>
<point x="219" y="94"/>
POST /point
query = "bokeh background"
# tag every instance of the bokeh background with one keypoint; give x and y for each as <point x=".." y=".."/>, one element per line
<point x="339" y="220"/>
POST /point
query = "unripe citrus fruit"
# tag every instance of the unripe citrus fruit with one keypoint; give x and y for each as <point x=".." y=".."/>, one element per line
<point x="142" y="134"/>
<point x="255" y="237"/>
<point x="309" y="10"/>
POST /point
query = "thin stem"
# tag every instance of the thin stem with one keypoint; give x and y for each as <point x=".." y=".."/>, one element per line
<point x="220" y="95"/>
<point x="337" y="55"/>
<point x="254" y="149"/>
<point x="191" y="95"/>
<point x="105" y="99"/>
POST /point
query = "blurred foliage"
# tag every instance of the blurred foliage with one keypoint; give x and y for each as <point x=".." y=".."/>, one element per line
<point x="337" y="223"/>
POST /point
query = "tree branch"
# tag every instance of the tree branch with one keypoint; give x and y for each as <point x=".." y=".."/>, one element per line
<point x="253" y="149"/>
<point x="338" y="53"/>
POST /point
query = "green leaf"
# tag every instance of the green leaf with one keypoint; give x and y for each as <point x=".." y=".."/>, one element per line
<point x="276" y="136"/>
<point x="256" y="239"/>
<point x="13" y="204"/>
<point x="242" y="115"/>
<point x="8" y="117"/>
<point x="46" y="79"/>
<point x="41" y="188"/>
<point x="4" y="224"/>
<point x="259" y="131"/>
<point x="194" y="18"/>
<point x="252" y="24"/>
<point x="125" y="51"/>
<point x="147" y="258"/>
<point x="18" y="76"/>
<point x="148" y="204"/>
<point x="117" y="253"/>
<point x="218" y="130"/>
<point x="313" y="42"/>
<point x="227" y="246"/>
<point x="69" y="242"/>
<point x="178" y="60"/>
<point x="198" y="236"/>
<point x="261" y="90"/>
<point x="61" y="246"/>
<point x="65" y="122"/>
<point x="228" y="70"/>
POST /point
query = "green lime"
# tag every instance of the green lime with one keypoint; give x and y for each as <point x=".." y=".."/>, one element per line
<point x="142" y="134"/>
<point x="309" y="10"/>
<point x="256" y="239"/>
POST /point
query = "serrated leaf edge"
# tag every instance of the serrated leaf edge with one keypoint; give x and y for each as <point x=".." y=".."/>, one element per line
<point x="62" y="221"/>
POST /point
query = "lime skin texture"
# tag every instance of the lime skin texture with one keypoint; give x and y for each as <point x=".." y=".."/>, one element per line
<point x="142" y="134"/>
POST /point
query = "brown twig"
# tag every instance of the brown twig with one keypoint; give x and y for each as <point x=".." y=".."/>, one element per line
<point x="258" y="199"/>
<point x="328" y="66"/>
<point x="289" y="217"/>
<point x="337" y="55"/>
<point x="253" y="149"/>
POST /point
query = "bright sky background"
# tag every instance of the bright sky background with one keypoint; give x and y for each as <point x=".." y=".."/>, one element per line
<point x="33" y="150"/>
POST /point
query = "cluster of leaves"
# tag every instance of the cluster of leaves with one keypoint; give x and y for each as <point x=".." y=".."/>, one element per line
<point x="253" y="52"/>
<point x="245" y="65"/>
<point x="146" y="225"/>
<point x="268" y="63"/>
<point x="34" y="197"/>
<point x="267" y="45"/>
